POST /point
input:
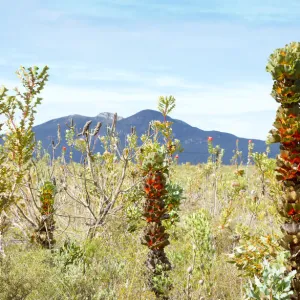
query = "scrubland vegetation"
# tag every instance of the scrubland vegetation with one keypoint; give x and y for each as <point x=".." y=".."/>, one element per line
<point x="131" y="223"/>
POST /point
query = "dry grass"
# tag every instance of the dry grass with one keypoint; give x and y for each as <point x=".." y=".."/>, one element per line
<point x="113" y="266"/>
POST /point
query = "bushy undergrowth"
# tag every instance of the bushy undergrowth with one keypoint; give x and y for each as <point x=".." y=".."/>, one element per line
<point x="111" y="265"/>
<point x="79" y="230"/>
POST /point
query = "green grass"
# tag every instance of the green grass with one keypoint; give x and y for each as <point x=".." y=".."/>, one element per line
<point x="112" y="265"/>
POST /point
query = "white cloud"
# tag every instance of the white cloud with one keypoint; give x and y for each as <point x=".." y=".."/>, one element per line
<point x="48" y="14"/>
<point x="254" y="10"/>
<point x="147" y="79"/>
<point x="207" y="111"/>
<point x="172" y="81"/>
<point x="213" y="100"/>
<point x="105" y="75"/>
<point x="252" y="125"/>
<point x="235" y="110"/>
<point x="62" y="100"/>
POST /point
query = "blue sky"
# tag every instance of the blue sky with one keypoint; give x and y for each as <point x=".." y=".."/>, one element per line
<point x="121" y="55"/>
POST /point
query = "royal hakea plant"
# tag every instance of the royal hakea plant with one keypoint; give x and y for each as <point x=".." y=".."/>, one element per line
<point x="155" y="211"/>
<point x="44" y="234"/>
<point x="162" y="198"/>
<point x="284" y="66"/>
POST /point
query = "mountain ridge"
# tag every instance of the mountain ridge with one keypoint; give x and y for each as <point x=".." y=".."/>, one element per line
<point x="193" y="139"/>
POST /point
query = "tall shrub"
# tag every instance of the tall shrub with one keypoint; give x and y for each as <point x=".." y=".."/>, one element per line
<point x="162" y="197"/>
<point x="18" y="107"/>
<point x="284" y="66"/>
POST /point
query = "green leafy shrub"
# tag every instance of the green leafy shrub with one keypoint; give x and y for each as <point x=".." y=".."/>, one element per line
<point x="275" y="282"/>
<point x="198" y="226"/>
<point x="252" y="251"/>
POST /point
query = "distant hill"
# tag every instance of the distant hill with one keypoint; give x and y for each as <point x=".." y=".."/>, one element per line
<point x="193" y="140"/>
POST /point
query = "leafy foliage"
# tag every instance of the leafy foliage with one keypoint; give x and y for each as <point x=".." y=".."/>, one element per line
<point x="284" y="66"/>
<point x="162" y="201"/>
<point x="274" y="283"/>
<point x="101" y="204"/>
<point x="252" y="251"/>
<point x="199" y="227"/>
<point x="166" y="105"/>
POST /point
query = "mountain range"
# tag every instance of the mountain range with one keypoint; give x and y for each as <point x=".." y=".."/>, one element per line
<point x="193" y="140"/>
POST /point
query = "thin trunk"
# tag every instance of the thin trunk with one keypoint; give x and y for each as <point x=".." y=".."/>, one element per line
<point x="1" y="245"/>
<point x="215" y="195"/>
